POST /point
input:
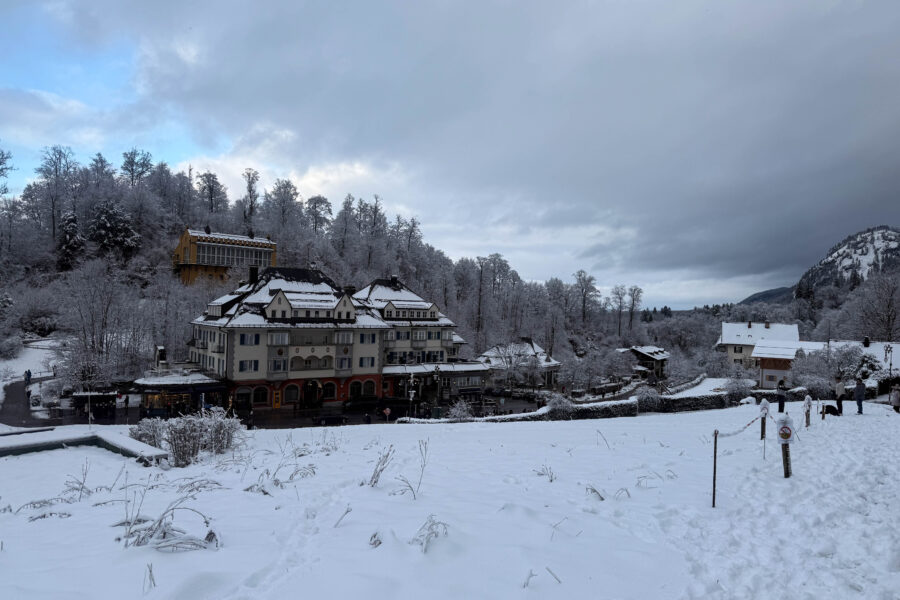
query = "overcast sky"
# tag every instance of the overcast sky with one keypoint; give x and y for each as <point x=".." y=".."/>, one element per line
<point x="702" y="150"/>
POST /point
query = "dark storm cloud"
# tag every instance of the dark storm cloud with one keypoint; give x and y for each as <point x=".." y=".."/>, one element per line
<point x="719" y="139"/>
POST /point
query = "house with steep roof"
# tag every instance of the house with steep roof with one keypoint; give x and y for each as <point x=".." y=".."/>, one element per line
<point x="651" y="360"/>
<point x="521" y="362"/>
<point x="739" y="339"/>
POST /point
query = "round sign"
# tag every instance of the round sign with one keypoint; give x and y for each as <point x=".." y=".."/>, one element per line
<point x="785" y="432"/>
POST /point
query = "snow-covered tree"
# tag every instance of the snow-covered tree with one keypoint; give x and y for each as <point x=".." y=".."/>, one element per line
<point x="70" y="244"/>
<point x="111" y="230"/>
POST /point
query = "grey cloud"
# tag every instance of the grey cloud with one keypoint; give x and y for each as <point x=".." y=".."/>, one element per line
<point x="734" y="138"/>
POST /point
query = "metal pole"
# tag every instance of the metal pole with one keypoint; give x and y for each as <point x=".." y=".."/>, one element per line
<point x="786" y="459"/>
<point x="715" y="455"/>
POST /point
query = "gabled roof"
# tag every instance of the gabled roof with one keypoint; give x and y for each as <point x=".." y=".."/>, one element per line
<point x="742" y="333"/>
<point x="653" y="352"/>
<point x="784" y="349"/>
<point x="503" y="356"/>
<point x="226" y="238"/>
<point x="381" y="291"/>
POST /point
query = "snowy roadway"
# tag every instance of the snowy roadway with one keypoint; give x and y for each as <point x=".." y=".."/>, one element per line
<point x="830" y="531"/>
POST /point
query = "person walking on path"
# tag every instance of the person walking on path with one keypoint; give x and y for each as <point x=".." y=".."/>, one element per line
<point x="780" y="391"/>
<point x="839" y="394"/>
<point x="859" y="394"/>
<point x="895" y="397"/>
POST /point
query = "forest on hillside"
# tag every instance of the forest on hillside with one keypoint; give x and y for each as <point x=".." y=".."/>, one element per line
<point x="86" y="249"/>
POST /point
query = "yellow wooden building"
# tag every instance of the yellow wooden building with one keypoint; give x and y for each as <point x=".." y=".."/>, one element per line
<point x="202" y="254"/>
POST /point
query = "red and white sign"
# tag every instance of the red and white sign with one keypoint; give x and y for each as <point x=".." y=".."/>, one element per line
<point x="785" y="430"/>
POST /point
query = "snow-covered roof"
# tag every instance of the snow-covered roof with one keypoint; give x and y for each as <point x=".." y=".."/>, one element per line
<point x="503" y="356"/>
<point x="785" y="349"/>
<point x="654" y="352"/>
<point x="175" y="379"/>
<point x="741" y="333"/>
<point x="458" y="339"/>
<point x="312" y="300"/>
<point x="382" y="291"/>
<point x="214" y="237"/>
<point x="224" y="299"/>
<point x="457" y="367"/>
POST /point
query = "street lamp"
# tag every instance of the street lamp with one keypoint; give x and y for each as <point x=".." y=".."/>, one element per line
<point x="412" y="381"/>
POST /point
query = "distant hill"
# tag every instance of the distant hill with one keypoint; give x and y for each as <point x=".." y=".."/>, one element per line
<point x="782" y="295"/>
<point x="847" y="263"/>
<point x="854" y="258"/>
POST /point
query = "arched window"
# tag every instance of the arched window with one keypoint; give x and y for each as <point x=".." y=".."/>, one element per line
<point x="329" y="391"/>
<point x="242" y="397"/>
<point x="355" y="389"/>
<point x="291" y="394"/>
<point x="296" y="363"/>
<point x="260" y="396"/>
<point x="369" y="388"/>
<point x="325" y="362"/>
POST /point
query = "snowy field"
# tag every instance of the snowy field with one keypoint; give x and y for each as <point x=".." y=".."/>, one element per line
<point x="626" y="514"/>
<point x="710" y="385"/>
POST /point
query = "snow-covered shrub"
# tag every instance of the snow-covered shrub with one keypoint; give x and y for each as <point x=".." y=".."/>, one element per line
<point x="459" y="411"/>
<point x="185" y="437"/>
<point x="10" y="347"/>
<point x="150" y="431"/>
<point x="737" y="388"/>
<point x="219" y="430"/>
<point x="429" y="530"/>
<point x="560" y="408"/>
<point x="648" y="399"/>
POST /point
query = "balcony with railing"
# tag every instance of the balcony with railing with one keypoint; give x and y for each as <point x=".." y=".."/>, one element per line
<point x="218" y="348"/>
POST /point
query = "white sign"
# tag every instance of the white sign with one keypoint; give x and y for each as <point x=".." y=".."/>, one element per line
<point x="785" y="429"/>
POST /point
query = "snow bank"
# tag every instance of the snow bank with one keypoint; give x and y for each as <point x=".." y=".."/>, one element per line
<point x="625" y="514"/>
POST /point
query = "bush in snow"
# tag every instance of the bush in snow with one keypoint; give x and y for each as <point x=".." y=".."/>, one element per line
<point x="560" y="408"/>
<point x="459" y="411"/>
<point x="648" y="399"/>
<point x="737" y="388"/>
<point x="10" y="347"/>
<point x="185" y="436"/>
<point x="219" y="430"/>
<point x="150" y="431"/>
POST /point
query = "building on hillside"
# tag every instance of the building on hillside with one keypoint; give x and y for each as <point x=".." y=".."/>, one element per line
<point x="206" y="255"/>
<point x="420" y="352"/>
<point x="292" y="338"/>
<point x="521" y="363"/>
<point x="739" y="339"/>
<point x="651" y="361"/>
<point x="775" y="359"/>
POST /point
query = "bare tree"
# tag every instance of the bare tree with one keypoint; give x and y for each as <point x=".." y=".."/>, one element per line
<point x="878" y="308"/>
<point x="618" y="295"/>
<point x="5" y="168"/>
<point x="251" y="198"/>
<point x="318" y="210"/>
<point x="587" y="291"/>
<point x="136" y="165"/>
<point x="56" y="172"/>
<point x="212" y="193"/>
<point x="634" y="302"/>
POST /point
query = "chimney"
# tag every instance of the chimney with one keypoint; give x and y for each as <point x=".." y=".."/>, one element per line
<point x="254" y="275"/>
<point x="767" y="324"/>
<point x="866" y="342"/>
<point x="350" y="290"/>
<point x="394" y="280"/>
<point x="749" y="324"/>
<point x="207" y="229"/>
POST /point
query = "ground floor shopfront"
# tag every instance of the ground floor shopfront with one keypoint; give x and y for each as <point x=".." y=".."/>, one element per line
<point x="302" y="394"/>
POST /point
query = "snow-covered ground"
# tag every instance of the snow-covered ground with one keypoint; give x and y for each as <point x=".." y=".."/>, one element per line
<point x="710" y="385"/>
<point x="829" y="531"/>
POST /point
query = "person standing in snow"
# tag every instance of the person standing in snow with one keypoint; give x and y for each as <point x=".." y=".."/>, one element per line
<point x="859" y="394"/>
<point x="895" y="397"/>
<point x="839" y="393"/>
<point x="780" y="391"/>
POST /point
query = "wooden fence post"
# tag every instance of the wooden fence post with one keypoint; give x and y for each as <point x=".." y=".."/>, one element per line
<point x="715" y="455"/>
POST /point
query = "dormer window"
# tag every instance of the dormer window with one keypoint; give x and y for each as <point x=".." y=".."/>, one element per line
<point x="296" y="313"/>
<point x="328" y="314"/>
<point x="317" y="314"/>
<point x="340" y="313"/>
<point x="432" y="314"/>
<point x="307" y="314"/>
